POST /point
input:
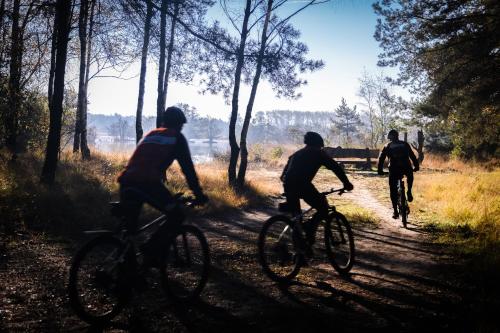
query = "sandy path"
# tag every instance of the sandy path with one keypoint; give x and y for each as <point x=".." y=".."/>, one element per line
<point x="400" y="282"/>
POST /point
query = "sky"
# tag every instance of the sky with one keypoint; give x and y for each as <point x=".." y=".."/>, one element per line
<point x="339" y="32"/>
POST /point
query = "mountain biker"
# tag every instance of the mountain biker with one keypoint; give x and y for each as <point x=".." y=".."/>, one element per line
<point x="297" y="179"/>
<point x="142" y="179"/>
<point x="399" y="154"/>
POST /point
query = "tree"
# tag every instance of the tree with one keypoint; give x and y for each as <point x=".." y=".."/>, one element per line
<point x="62" y="24"/>
<point x="279" y="64"/>
<point x="447" y="51"/>
<point x="85" y="30"/>
<point x="142" y="78"/>
<point x="347" y="121"/>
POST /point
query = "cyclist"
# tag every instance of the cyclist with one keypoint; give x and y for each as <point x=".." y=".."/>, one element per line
<point x="297" y="179"/>
<point x="399" y="154"/>
<point x="142" y="179"/>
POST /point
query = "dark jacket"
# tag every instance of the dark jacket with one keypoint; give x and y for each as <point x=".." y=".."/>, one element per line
<point x="303" y="165"/>
<point x="399" y="154"/>
<point x="154" y="154"/>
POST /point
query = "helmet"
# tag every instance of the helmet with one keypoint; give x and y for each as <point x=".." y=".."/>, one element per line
<point x="313" y="139"/>
<point x="393" y="133"/>
<point x="173" y="117"/>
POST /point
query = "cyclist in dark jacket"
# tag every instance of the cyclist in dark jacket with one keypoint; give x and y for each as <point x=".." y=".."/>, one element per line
<point x="399" y="154"/>
<point x="297" y="179"/>
<point x="142" y="179"/>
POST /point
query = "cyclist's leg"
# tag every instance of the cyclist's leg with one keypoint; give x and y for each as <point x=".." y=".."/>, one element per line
<point x="292" y="198"/>
<point x="393" y="186"/>
<point x="159" y="197"/>
<point x="131" y="205"/>
<point x="409" y="178"/>
<point x="318" y="201"/>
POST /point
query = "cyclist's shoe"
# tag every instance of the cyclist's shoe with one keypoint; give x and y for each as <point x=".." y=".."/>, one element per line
<point x="395" y="215"/>
<point x="310" y="230"/>
<point x="149" y="259"/>
<point x="410" y="196"/>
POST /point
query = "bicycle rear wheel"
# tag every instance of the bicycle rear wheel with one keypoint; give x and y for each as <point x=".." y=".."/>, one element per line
<point x="339" y="243"/>
<point x="98" y="287"/>
<point x="185" y="265"/>
<point x="403" y="205"/>
<point x="277" y="249"/>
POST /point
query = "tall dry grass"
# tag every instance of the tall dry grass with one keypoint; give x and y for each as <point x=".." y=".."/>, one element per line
<point x="79" y="198"/>
<point x="464" y="206"/>
<point x="449" y="163"/>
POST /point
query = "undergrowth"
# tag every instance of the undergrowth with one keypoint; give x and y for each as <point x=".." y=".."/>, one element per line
<point x="79" y="198"/>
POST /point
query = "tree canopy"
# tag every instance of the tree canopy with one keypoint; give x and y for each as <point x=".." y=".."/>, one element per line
<point x="448" y="51"/>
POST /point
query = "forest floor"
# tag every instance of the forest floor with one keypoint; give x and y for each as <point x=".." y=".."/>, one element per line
<point x="401" y="281"/>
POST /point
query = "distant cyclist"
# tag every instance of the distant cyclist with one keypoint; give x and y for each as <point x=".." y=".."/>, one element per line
<point x="142" y="179"/>
<point x="297" y="179"/>
<point x="399" y="154"/>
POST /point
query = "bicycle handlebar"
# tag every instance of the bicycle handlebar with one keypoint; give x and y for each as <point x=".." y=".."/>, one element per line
<point x="332" y="190"/>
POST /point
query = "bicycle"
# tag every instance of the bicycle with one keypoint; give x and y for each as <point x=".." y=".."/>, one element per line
<point x="403" y="208"/>
<point x="104" y="272"/>
<point x="282" y="245"/>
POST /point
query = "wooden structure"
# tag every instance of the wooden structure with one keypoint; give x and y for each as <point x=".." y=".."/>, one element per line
<point x="364" y="157"/>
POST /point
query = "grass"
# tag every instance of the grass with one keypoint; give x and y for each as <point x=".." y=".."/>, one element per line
<point x="464" y="207"/>
<point x="79" y="198"/>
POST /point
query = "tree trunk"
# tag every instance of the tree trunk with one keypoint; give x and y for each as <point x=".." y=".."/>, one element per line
<point x="420" y="147"/>
<point x="14" y="82"/>
<point x="50" y="90"/>
<point x="235" y="150"/>
<point x="142" y="79"/>
<point x="82" y="34"/>
<point x="169" y="53"/>
<point x="248" y="115"/>
<point x="160" y="103"/>
<point x="2" y="35"/>
<point x="83" y="135"/>
<point x="62" y="24"/>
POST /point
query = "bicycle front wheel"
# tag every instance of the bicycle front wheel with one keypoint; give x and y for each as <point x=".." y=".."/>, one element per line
<point x="97" y="286"/>
<point x="339" y="243"/>
<point x="277" y="249"/>
<point x="185" y="265"/>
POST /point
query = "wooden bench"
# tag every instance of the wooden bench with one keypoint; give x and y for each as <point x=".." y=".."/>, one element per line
<point x="364" y="156"/>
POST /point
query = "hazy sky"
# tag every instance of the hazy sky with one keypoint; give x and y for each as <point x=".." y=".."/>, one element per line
<point x="339" y="32"/>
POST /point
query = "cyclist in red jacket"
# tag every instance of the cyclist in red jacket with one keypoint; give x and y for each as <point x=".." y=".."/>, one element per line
<point x="142" y="179"/>
<point x="399" y="154"/>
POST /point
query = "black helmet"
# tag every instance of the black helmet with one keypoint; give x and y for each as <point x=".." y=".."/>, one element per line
<point x="313" y="139"/>
<point x="173" y="117"/>
<point x="393" y="133"/>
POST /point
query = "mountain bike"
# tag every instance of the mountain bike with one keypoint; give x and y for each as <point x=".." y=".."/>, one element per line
<point x="106" y="270"/>
<point x="283" y="249"/>
<point x="403" y="207"/>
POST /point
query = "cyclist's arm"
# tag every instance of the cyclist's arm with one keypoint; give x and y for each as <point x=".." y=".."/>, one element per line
<point x="381" y="159"/>
<point x="183" y="156"/>
<point x="283" y="173"/>
<point x="330" y="164"/>
<point x="413" y="158"/>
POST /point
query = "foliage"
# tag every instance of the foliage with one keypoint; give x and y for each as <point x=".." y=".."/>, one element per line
<point x="448" y="51"/>
<point x="346" y="122"/>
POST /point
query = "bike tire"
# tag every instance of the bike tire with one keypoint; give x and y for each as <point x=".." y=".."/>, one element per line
<point x="286" y="241"/>
<point x="339" y="243"/>
<point x="181" y="285"/>
<point x="108" y="277"/>
<point x="404" y="211"/>
<point x="403" y="206"/>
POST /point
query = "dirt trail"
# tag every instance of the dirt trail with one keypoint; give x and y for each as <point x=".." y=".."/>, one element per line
<point x="400" y="282"/>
